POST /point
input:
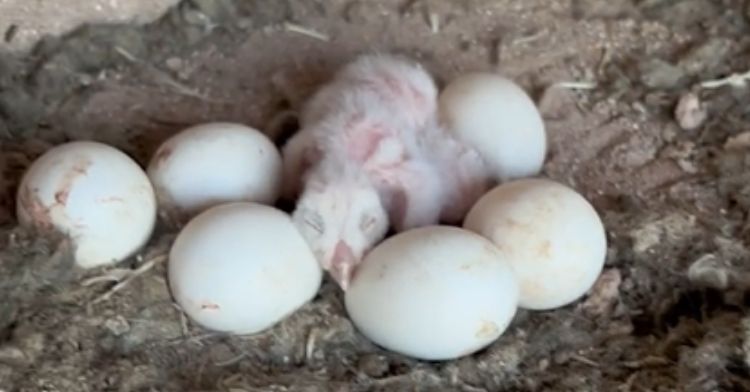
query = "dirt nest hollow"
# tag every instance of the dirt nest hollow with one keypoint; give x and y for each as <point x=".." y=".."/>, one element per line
<point x="643" y="119"/>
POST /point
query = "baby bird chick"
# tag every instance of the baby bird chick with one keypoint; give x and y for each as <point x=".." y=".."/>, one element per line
<point x="370" y="156"/>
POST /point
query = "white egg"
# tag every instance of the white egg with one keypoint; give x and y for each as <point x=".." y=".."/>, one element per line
<point x="241" y="268"/>
<point x="550" y="234"/>
<point x="214" y="163"/>
<point x="93" y="193"/>
<point x="434" y="293"/>
<point x="496" y="117"/>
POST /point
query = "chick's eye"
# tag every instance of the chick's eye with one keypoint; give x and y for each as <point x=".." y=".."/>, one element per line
<point x="368" y="223"/>
<point x="314" y="221"/>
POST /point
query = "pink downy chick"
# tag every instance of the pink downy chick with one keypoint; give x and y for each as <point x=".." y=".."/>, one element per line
<point x="412" y="188"/>
<point x="340" y="211"/>
<point x="396" y="85"/>
<point x="350" y="200"/>
<point x="398" y="93"/>
<point x="465" y="174"/>
<point x="341" y="216"/>
<point x="365" y="137"/>
<point x="353" y="156"/>
<point x="439" y="181"/>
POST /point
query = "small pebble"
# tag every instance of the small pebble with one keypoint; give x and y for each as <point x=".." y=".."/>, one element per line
<point x="657" y="73"/>
<point x="85" y="79"/>
<point x="373" y="365"/>
<point x="11" y="355"/>
<point x="690" y="112"/>
<point x="195" y="18"/>
<point x="117" y="325"/>
<point x="707" y="271"/>
<point x="604" y="294"/>
<point x="245" y="23"/>
<point x="174" y="64"/>
<point x="738" y="142"/>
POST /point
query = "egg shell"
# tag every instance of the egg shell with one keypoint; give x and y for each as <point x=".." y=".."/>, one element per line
<point x="433" y="293"/>
<point x="241" y="268"/>
<point x="214" y="163"/>
<point x="95" y="194"/>
<point x="550" y="234"/>
<point x="496" y="117"/>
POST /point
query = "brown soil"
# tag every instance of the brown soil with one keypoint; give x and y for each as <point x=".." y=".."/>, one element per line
<point x="668" y="315"/>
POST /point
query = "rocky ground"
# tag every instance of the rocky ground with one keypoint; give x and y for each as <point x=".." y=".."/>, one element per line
<point x="643" y="118"/>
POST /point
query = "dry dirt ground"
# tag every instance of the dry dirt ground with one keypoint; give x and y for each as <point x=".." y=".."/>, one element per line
<point x="23" y="22"/>
<point x="669" y="313"/>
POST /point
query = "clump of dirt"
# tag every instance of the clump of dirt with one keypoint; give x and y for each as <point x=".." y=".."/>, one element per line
<point x="668" y="313"/>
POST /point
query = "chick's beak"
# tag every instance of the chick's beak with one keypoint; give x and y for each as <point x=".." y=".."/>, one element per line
<point x="342" y="264"/>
